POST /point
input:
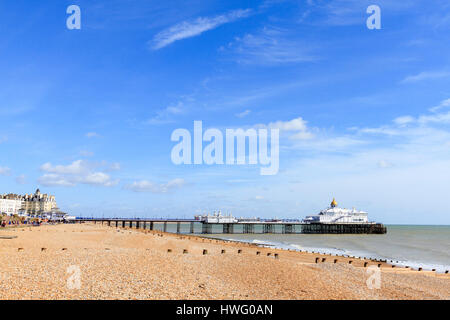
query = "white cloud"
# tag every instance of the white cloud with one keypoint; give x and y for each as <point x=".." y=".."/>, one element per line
<point x="166" y="115"/>
<point x="443" y="104"/>
<point x="5" y="171"/>
<point x="86" y="153"/>
<point x="148" y="186"/>
<point x="78" y="172"/>
<point x="426" y="76"/>
<point x="98" y="179"/>
<point x="243" y="114"/>
<point x="188" y="29"/>
<point x="114" y="166"/>
<point x="54" y="180"/>
<point x="384" y="164"/>
<point x="403" y="120"/>
<point x="425" y="119"/>
<point x="92" y="135"/>
<point x="271" y="47"/>
<point x="76" y="167"/>
<point x="298" y="127"/>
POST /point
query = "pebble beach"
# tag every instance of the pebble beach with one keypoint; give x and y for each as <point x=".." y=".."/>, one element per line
<point x="92" y="261"/>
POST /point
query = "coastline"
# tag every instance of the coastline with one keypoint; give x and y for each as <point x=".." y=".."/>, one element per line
<point x="142" y="264"/>
<point x="415" y="246"/>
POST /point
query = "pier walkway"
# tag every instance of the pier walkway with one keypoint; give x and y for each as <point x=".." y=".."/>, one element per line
<point x="193" y="226"/>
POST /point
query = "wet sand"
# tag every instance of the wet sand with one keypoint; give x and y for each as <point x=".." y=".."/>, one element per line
<point x="43" y="263"/>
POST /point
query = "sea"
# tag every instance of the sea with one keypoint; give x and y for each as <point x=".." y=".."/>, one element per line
<point x="415" y="246"/>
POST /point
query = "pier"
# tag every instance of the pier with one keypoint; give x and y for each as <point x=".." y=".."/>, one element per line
<point x="193" y="226"/>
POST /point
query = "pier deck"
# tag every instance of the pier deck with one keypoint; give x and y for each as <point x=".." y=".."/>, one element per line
<point x="193" y="226"/>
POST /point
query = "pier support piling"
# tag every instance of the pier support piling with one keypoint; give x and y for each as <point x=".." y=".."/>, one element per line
<point x="288" y="228"/>
<point x="268" y="228"/>
<point x="228" y="228"/>
<point x="206" y="228"/>
<point x="248" y="228"/>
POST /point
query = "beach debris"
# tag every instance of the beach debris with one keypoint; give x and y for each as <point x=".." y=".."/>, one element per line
<point x="43" y="249"/>
<point x="8" y="237"/>
<point x="64" y="249"/>
<point x="169" y="250"/>
<point x="20" y="249"/>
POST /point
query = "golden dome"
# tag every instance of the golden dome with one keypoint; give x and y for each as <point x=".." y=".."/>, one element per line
<point x="334" y="203"/>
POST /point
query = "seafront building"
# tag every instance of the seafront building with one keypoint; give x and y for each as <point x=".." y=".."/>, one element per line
<point x="28" y="205"/>
<point x="10" y="204"/>
<point x="334" y="214"/>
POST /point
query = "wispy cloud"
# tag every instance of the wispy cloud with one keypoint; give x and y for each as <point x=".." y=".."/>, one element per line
<point x="86" y="153"/>
<point x="426" y="76"/>
<point x="148" y="186"/>
<point x="271" y="46"/>
<point x="243" y="114"/>
<point x="5" y="171"/>
<point x="166" y="115"/>
<point x="443" y="104"/>
<point x="92" y="135"/>
<point x="188" y="29"/>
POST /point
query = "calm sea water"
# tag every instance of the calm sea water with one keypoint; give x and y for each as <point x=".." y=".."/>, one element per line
<point x="416" y="246"/>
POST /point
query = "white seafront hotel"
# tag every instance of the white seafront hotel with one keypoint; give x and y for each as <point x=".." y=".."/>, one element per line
<point x="10" y="206"/>
<point x="334" y="214"/>
<point x="29" y="204"/>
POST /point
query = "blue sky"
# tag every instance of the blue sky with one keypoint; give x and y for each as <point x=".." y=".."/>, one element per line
<point x="364" y="114"/>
